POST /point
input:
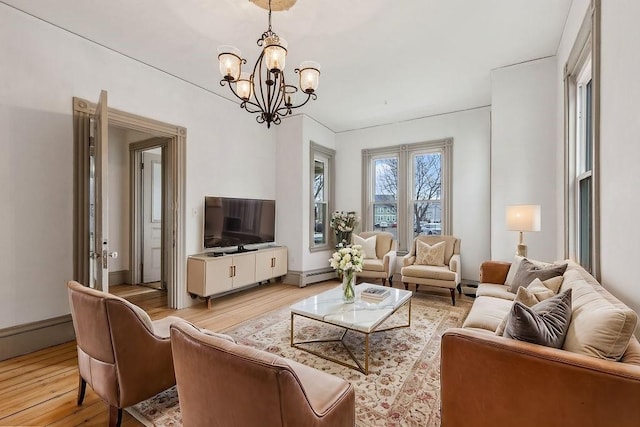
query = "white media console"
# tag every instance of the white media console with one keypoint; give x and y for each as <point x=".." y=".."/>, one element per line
<point x="208" y="276"/>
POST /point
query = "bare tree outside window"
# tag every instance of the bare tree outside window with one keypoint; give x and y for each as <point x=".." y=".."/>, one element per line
<point x="427" y="173"/>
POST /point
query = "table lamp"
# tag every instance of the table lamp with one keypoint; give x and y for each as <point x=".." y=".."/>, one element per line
<point x="523" y="218"/>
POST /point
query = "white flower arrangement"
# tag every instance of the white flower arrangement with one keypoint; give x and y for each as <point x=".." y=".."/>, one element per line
<point x="343" y="224"/>
<point x="347" y="259"/>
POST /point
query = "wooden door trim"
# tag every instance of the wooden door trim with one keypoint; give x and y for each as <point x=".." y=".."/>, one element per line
<point x="176" y="176"/>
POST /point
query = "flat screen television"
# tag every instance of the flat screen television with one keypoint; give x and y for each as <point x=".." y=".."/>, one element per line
<point x="238" y="222"/>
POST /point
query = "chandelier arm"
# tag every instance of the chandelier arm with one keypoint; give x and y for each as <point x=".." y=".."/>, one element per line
<point x="244" y="103"/>
<point x="309" y="96"/>
<point x="276" y="95"/>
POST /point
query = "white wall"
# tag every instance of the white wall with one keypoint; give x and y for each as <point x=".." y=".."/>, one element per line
<point x="619" y="147"/>
<point x="620" y="151"/>
<point x="228" y="153"/>
<point x="523" y="155"/>
<point x="295" y="135"/>
<point x="471" y="172"/>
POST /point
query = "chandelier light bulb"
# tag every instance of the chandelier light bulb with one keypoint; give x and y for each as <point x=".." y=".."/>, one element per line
<point x="275" y="53"/>
<point x="309" y="76"/>
<point x="229" y="59"/>
<point x="244" y="87"/>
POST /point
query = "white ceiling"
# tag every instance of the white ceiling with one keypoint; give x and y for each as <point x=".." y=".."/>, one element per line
<point x="382" y="61"/>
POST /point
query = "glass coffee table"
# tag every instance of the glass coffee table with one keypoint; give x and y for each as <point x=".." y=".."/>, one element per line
<point x="364" y="316"/>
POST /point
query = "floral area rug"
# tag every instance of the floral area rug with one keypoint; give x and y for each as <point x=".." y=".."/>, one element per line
<point x="403" y="385"/>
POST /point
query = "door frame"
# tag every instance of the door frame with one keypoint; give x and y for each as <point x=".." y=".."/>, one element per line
<point x="174" y="212"/>
<point x="135" y="203"/>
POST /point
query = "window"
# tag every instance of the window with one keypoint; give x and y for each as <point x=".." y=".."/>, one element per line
<point x="321" y="196"/>
<point x="582" y="113"/>
<point x="406" y="190"/>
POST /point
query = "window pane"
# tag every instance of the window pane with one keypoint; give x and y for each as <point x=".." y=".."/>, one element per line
<point x="385" y="201"/>
<point x="585" y="223"/>
<point x="427" y="192"/>
<point x="588" y="128"/>
<point x="320" y="214"/>
<point x="318" y="182"/>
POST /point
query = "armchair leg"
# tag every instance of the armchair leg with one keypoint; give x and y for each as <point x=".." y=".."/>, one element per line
<point x="391" y="281"/>
<point x="406" y="286"/>
<point x="115" y="416"/>
<point x="384" y="282"/>
<point x="82" y="387"/>
<point x="453" y="296"/>
<point x="459" y="288"/>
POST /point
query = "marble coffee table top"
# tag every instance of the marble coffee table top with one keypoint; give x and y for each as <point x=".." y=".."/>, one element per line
<point x="364" y="315"/>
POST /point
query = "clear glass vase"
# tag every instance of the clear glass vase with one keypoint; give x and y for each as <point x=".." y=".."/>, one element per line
<point x="348" y="286"/>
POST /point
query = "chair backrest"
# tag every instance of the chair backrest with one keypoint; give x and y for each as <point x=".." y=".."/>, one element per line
<point x="384" y="241"/>
<point x="108" y="329"/>
<point x="452" y="245"/>
<point x="240" y="385"/>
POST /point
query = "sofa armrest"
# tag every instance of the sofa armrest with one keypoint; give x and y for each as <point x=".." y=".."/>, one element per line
<point x="494" y="272"/>
<point x="454" y="263"/>
<point x="487" y="380"/>
<point x="389" y="262"/>
<point x="408" y="259"/>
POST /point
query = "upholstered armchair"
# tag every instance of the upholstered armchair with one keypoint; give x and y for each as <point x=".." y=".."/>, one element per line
<point x="381" y="263"/>
<point x="221" y="383"/>
<point x="426" y="268"/>
<point x="123" y="355"/>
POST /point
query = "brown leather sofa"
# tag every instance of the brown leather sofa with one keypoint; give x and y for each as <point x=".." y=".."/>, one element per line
<point x="221" y="383"/>
<point x="123" y="355"/>
<point x="493" y="381"/>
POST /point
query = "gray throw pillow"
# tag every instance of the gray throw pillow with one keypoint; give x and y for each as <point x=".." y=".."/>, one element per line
<point x="546" y="323"/>
<point x="527" y="271"/>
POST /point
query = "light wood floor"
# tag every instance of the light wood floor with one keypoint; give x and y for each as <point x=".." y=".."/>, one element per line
<point x="40" y="389"/>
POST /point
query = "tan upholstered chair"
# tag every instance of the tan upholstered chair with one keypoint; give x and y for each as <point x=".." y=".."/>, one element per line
<point x="221" y="383"/>
<point x="447" y="276"/>
<point x="382" y="267"/>
<point x="123" y="355"/>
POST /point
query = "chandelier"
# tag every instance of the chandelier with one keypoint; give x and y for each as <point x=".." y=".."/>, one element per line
<point x="265" y="91"/>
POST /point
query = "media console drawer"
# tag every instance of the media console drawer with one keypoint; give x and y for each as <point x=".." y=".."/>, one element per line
<point x="208" y="276"/>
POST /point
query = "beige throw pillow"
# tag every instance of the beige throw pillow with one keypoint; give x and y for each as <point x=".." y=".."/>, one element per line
<point x="430" y="255"/>
<point x="368" y="246"/>
<point x="538" y="289"/>
<point x="523" y="296"/>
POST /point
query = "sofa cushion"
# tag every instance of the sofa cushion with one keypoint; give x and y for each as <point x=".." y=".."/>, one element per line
<point x="494" y="290"/>
<point x="428" y="272"/>
<point x="373" y="265"/>
<point x="527" y="271"/>
<point x="513" y="269"/>
<point x="430" y="255"/>
<point x="546" y="323"/>
<point x="525" y="297"/>
<point x="601" y="325"/>
<point x="368" y="246"/>
<point x="487" y="313"/>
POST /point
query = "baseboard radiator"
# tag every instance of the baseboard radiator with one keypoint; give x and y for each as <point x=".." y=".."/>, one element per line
<point x="304" y="278"/>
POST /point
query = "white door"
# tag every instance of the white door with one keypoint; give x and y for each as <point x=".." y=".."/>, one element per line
<point x="101" y="200"/>
<point x="152" y="217"/>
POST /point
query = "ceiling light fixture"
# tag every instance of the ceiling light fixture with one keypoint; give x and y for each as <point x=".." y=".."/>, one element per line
<point x="264" y="91"/>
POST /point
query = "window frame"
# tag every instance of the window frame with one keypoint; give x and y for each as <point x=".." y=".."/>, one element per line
<point x="326" y="155"/>
<point x="583" y="66"/>
<point x="405" y="154"/>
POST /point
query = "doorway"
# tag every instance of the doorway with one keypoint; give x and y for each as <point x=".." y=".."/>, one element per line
<point x="92" y="253"/>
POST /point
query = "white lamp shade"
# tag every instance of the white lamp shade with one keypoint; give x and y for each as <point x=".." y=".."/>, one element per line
<point x="275" y="54"/>
<point x="523" y="217"/>
<point x="309" y="76"/>
<point x="229" y="61"/>
<point x="244" y="88"/>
